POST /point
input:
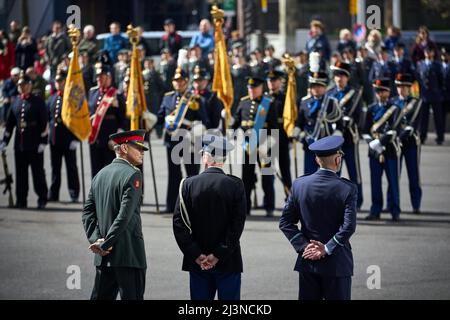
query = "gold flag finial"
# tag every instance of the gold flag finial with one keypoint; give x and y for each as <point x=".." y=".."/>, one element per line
<point x="74" y="35"/>
<point x="217" y="13"/>
<point x="289" y="63"/>
<point x="133" y="34"/>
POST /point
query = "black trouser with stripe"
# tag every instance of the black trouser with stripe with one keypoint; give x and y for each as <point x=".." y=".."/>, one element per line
<point x="70" y="157"/>
<point x="129" y="282"/>
<point x="35" y="160"/>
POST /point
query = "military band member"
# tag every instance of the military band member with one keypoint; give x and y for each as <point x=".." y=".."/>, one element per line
<point x="107" y="109"/>
<point x="325" y="260"/>
<point x="273" y="79"/>
<point x="213" y="105"/>
<point x="29" y="116"/>
<point x="349" y="100"/>
<point x="180" y="109"/>
<point x="63" y="144"/>
<point x="407" y="124"/>
<point x="255" y="112"/>
<point x="112" y="222"/>
<point x="384" y="151"/>
<point x="316" y="116"/>
<point x="431" y="81"/>
<point x="208" y="222"/>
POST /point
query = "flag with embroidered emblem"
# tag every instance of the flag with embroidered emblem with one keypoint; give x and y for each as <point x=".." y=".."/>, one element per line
<point x="75" y="110"/>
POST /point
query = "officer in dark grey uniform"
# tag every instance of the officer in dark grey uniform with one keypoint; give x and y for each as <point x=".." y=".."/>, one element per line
<point x="325" y="260"/>
<point x="208" y="222"/>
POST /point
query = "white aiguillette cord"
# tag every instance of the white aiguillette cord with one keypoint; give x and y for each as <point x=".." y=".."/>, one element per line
<point x="183" y="210"/>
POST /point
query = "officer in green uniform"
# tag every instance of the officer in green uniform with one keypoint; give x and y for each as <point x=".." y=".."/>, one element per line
<point x="112" y="222"/>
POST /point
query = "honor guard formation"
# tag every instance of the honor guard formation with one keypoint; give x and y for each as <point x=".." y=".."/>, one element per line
<point x="322" y="105"/>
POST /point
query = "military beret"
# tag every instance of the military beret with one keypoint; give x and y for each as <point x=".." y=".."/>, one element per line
<point x="216" y="145"/>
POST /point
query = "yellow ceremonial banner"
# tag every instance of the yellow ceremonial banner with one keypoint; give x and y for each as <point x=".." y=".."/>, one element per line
<point x="222" y="82"/>
<point x="290" y="104"/>
<point x="136" y="103"/>
<point x="75" y="109"/>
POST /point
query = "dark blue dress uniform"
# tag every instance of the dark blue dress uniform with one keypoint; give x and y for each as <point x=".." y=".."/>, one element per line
<point x="407" y="124"/>
<point x="431" y="81"/>
<point x="29" y="116"/>
<point x="384" y="69"/>
<point x="446" y="96"/>
<point x="62" y="145"/>
<point x="349" y="100"/>
<point x="114" y="119"/>
<point x="244" y="117"/>
<point x="325" y="206"/>
<point x="196" y="112"/>
<point x="284" y="160"/>
<point x="312" y="109"/>
<point x="210" y="221"/>
<point x="112" y="212"/>
<point x="380" y="123"/>
<point x="319" y="44"/>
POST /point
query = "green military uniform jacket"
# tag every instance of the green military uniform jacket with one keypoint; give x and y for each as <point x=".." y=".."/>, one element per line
<point x="112" y="212"/>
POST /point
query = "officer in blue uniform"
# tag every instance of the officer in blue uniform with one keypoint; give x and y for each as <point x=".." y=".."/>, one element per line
<point x="104" y="97"/>
<point x="325" y="260"/>
<point x="208" y="222"/>
<point x="446" y="71"/>
<point x="401" y="62"/>
<point x="407" y="124"/>
<point x="384" y="67"/>
<point x="63" y="144"/>
<point x="249" y="115"/>
<point x="29" y="116"/>
<point x="316" y="116"/>
<point x="212" y="103"/>
<point x="384" y="151"/>
<point x="431" y="81"/>
<point x="349" y="100"/>
<point x="171" y="115"/>
<point x="273" y="78"/>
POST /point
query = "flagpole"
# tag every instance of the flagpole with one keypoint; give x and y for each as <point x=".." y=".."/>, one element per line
<point x="82" y="173"/>
<point x="153" y="171"/>
<point x="294" y="144"/>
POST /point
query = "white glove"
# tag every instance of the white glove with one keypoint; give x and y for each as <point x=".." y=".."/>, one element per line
<point x="376" y="146"/>
<point x="2" y="146"/>
<point x="41" y="148"/>
<point x="73" y="145"/>
<point x="223" y="114"/>
<point x="338" y="133"/>
<point x="295" y="133"/>
<point x="149" y="119"/>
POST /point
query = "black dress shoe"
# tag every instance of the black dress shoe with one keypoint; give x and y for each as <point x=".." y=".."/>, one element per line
<point x="20" y="205"/>
<point x="372" y="217"/>
<point x="416" y="211"/>
<point x="269" y="213"/>
<point x="52" y="199"/>
<point x="396" y="219"/>
<point x="41" y="205"/>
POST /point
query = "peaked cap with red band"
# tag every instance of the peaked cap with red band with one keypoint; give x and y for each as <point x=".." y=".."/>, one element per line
<point x="135" y="137"/>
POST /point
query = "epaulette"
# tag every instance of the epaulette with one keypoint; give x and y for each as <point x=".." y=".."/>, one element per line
<point x="245" y="98"/>
<point x="169" y="93"/>
<point x="306" y="97"/>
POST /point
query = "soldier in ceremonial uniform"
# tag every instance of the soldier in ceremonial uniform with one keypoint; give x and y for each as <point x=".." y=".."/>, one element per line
<point x="349" y="100"/>
<point x="431" y="80"/>
<point x="239" y="72"/>
<point x="317" y="113"/>
<point x="213" y="105"/>
<point x="29" y="116"/>
<point x="384" y="151"/>
<point x="273" y="79"/>
<point x="209" y="224"/>
<point x="325" y="260"/>
<point x="63" y="144"/>
<point x="107" y="109"/>
<point x="112" y="222"/>
<point x="256" y="111"/>
<point x="407" y="124"/>
<point x="180" y="109"/>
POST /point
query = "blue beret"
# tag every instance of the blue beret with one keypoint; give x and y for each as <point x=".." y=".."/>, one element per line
<point x="327" y="146"/>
